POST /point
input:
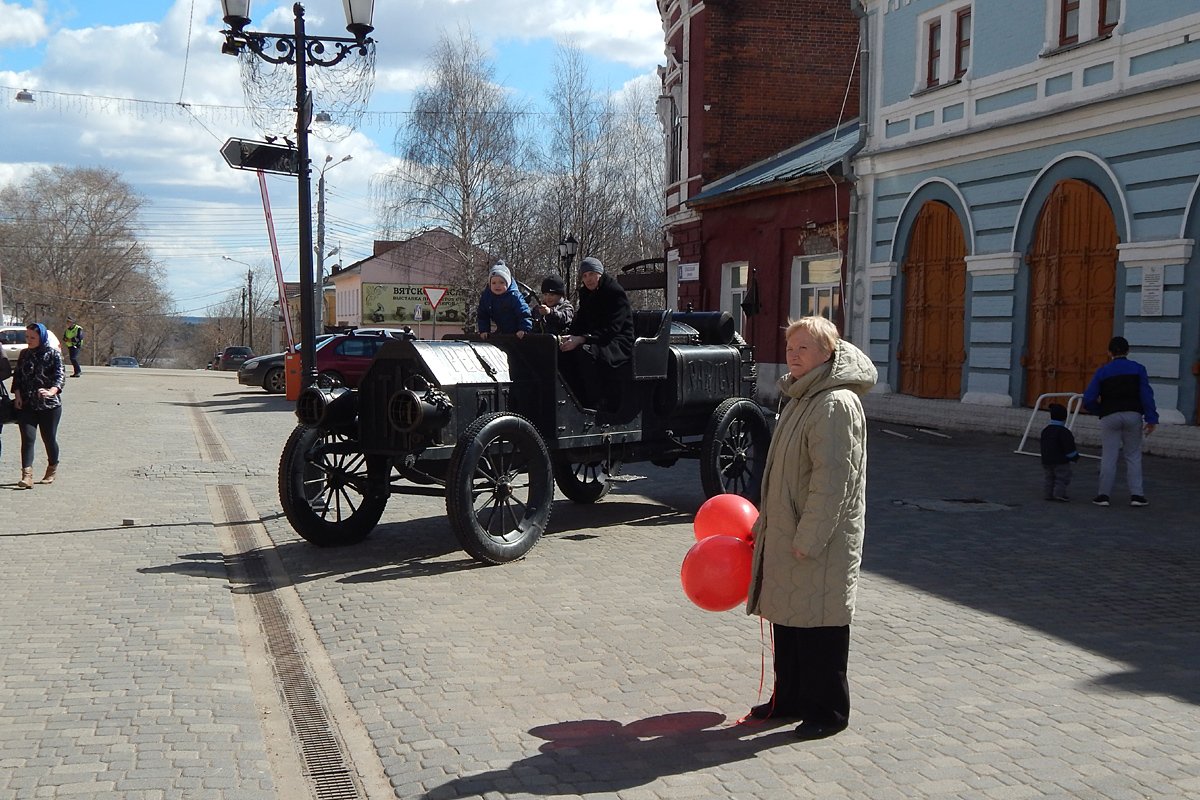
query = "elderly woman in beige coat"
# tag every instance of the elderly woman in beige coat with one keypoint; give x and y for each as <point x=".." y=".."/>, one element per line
<point x="808" y="537"/>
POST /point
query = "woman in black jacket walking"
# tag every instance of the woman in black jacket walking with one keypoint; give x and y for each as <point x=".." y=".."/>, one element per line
<point x="37" y="390"/>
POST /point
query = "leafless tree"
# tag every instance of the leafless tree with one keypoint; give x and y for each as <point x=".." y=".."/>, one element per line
<point x="69" y="244"/>
<point x="580" y="161"/>
<point x="603" y="167"/>
<point x="463" y="152"/>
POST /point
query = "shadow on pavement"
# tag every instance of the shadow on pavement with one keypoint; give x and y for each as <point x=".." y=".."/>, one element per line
<point x="240" y="403"/>
<point x="568" y="517"/>
<point x="1119" y="581"/>
<point x="109" y="528"/>
<point x="592" y="756"/>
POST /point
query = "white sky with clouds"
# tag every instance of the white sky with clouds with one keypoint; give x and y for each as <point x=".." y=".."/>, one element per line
<point x="199" y="209"/>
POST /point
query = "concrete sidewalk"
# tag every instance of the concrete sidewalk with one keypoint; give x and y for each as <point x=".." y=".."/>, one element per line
<point x="1005" y="647"/>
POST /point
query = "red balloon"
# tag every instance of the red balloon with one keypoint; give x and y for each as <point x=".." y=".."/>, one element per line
<point x="725" y="515"/>
<point x="716" y="572"/>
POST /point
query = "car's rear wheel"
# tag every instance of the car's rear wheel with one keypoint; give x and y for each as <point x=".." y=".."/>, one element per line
<point x="275" y="381"/>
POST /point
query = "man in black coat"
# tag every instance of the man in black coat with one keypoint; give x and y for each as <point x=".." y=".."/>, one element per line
<point x="600" y="338"/>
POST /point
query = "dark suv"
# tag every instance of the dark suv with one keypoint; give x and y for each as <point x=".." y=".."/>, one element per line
<point x="233" y="357"/>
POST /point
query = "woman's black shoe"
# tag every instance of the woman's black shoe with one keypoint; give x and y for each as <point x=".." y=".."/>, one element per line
<point x="810" y="731"/>
<point x="769" y="710"/>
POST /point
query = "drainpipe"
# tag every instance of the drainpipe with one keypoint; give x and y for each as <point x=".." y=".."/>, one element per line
<point x="864" y="73"/>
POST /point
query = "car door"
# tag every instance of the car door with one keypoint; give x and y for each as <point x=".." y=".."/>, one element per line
<point x="354" y="355"/>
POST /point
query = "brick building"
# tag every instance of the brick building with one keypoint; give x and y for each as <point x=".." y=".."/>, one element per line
<point x="754" y="100"/>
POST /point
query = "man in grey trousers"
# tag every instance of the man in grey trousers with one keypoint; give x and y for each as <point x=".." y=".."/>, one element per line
<point x="1120" y="393"/>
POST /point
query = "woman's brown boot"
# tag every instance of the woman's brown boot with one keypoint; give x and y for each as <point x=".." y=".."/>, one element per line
<point x="51" y="471"/>
<point x="26" y="481"/>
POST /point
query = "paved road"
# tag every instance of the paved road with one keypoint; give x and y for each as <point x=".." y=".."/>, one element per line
<point x="1005" y="647"/>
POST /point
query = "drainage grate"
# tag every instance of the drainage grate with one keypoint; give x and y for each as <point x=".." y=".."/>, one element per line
<point x="324" y="761"/>
<point x="212" y="446"/>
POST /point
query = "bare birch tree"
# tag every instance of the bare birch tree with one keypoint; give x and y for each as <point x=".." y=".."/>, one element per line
<point x="462" y="154"/>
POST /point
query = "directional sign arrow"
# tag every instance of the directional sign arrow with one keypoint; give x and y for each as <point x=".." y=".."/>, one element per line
<point x="247" y="154"/>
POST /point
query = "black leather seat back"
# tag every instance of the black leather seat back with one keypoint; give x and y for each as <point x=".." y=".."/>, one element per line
<point x="652" y="341"/>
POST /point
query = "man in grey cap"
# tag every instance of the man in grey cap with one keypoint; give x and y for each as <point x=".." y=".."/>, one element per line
<point x="600" y="338"/>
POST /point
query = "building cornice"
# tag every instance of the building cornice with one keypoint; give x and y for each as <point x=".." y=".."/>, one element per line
<point x="1160" y="253"/>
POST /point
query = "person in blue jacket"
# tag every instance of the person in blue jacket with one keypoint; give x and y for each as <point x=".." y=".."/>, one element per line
<point x="1120" y="393"/>
<point x="501" y="306"/>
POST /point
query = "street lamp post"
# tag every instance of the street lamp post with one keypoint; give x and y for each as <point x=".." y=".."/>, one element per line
<point x="301" y="50"/>
<point x="247" y="300"/>
<point x="567" y="249"/>
<point x="319" y="292"/>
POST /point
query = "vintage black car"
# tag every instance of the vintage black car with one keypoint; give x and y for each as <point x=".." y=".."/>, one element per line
<point x="493" y="427"/>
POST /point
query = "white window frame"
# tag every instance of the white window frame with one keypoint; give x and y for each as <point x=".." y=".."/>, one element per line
<point x="1089" y="24"/>
<point x="947" y="16"/>
<point x="731" y="297"/>
<point x="833" y="288"/>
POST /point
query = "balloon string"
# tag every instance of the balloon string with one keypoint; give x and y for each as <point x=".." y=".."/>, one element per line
<point x="762" y="656"/>
<point x="762" y="671"/>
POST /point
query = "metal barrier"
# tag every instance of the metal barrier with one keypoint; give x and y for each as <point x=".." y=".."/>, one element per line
<point x="1073" y="404"/>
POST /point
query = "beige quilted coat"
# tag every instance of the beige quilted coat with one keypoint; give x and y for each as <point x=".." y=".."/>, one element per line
<point x="814" y="496"/>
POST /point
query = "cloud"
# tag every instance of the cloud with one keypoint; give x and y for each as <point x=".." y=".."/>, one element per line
<point x="197" y="207"/>
<point x="22" y="26"/>
<point x="625" y="31"/>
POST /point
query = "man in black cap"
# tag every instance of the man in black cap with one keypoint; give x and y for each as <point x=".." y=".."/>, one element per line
<point x="600" y="338"/>
<point x="555" y="313"/>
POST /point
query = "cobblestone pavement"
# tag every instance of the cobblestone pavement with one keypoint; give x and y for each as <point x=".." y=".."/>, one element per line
<point x="1005" y="647"/>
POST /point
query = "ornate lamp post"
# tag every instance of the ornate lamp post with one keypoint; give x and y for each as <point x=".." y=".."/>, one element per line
<point x="567" y="249"/>
<point x="303" y="51"/>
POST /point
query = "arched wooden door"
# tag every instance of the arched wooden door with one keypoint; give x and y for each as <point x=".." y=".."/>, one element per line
<point x="1072" y="288"/>
<point x="935" y="288"/>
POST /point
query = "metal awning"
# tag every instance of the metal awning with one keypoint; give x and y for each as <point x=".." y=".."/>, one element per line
<point x="805" y="159"/>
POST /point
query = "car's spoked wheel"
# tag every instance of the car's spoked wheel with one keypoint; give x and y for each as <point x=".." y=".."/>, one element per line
<point x="325" y="487"/>
<point x="583" y="481"/>
<point x="499" y="488"/>
<point x="735" y="450"/>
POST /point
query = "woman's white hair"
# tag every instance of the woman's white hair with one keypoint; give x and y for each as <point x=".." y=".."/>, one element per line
<point x="823" y="332"/>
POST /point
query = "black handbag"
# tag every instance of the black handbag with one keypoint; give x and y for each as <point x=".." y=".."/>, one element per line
<point x="7" y="412"/>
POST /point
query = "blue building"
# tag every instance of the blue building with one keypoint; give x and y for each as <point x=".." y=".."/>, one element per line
<point x="1027" y="189"/>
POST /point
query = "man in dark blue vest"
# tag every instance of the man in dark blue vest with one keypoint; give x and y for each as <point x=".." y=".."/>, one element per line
<point x="1120" y="393"/>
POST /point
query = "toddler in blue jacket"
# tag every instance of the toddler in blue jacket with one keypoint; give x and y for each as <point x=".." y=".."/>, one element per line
<point x="501" y="305"/>
<point x="1058" y="453"/>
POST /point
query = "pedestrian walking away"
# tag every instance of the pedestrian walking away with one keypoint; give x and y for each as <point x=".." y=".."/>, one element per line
<point x="1121" y="395"/>
<point x="809" y="533"/>
<point x="37" y="395"/>
<point x="1058" y="453"/>
<point x="73" y="340"/>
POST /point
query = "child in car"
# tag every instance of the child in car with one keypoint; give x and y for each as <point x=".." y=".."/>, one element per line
<point x="501" y="306"/>
<point x="555" y="312"/>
